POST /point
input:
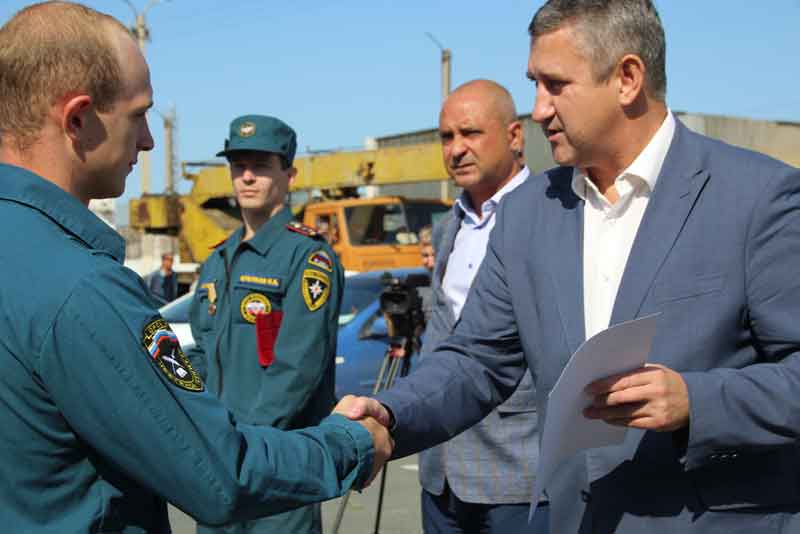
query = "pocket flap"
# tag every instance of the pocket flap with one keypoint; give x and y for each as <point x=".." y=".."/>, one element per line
<point x="687" y="288"/>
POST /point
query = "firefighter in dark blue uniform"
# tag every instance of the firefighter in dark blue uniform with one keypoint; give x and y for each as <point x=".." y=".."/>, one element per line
<point x="265" y="312"/>
<point x="102" y="417"/>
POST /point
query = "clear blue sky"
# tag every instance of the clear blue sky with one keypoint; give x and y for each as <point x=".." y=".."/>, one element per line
<point x="342" y="71"/>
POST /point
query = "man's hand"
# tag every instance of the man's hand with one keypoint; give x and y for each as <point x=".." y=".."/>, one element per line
<point x="653" y="397"/>
<point x="353" y="408"/>
<point x="383" y="444"/>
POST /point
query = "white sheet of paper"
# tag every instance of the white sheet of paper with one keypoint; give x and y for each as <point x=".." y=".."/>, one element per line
<point x="618" y="349"/>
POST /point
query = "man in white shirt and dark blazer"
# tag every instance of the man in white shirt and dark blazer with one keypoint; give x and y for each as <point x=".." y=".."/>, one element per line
<point x="713" y="444"/>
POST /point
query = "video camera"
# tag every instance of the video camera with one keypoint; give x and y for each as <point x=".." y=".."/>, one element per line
<point x="402" y="306"/>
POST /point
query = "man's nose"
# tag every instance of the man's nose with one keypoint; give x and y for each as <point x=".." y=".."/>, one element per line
<point x="458" y="148"/>
<point x="543" y="105"/>
<point x="145" y="141"/>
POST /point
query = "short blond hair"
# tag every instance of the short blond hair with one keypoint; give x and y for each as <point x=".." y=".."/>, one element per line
<point x="50" y="50"/>
<point x="425" y="236"/>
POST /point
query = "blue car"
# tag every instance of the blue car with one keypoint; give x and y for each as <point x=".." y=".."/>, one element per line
<point x="363" y="338"/>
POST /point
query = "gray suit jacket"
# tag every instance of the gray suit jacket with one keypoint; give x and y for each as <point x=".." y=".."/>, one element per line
<point x="717" y="253"/>
<point x="494" y="462"/>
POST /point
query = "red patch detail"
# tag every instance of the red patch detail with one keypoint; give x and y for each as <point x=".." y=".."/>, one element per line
<point x="267" y="327"/>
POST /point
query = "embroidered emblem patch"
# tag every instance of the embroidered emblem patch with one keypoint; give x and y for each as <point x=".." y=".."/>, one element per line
<point x="247" y="129"/>
<point x="316" y="288"/>
<point x="162" y="344"/>
<point x="252" y="305"/>
<point x="322" y="260"/>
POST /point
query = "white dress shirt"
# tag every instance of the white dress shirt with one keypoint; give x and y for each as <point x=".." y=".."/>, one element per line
<point x="609" y="229"/>
<point x="470" y="244"/>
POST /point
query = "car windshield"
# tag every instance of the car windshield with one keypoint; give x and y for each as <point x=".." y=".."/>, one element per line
<point x="390" y="224"/>
<point x="358" y="293"/>
<point x="419" y="214"/>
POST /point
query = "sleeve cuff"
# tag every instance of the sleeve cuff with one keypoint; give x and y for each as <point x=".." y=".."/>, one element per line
<point x="364" y="446"/>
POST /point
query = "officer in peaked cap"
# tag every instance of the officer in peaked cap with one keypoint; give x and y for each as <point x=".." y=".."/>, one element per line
<point x="265" y="314"/>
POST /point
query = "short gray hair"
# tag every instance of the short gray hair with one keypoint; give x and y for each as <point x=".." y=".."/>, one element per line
<point x="606" y="31"/>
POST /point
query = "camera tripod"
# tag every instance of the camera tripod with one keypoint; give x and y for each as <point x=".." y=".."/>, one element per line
<point x="397" y="360"/>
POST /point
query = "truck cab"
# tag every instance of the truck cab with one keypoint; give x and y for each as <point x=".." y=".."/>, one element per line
<point x="369" y="234"/>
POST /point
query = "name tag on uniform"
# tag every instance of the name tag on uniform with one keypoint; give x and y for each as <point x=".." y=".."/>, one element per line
<point x="266" y="281"/>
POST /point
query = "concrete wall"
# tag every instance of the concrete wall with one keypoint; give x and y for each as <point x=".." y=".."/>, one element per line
<point x="781" y="140"/>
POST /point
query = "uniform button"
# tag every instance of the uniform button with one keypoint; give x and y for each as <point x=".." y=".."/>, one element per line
<point x="470" y="266"/>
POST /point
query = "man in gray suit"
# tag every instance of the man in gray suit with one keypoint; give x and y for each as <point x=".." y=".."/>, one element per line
<point x="480" y="480"/>
<point x="643" y="216"/>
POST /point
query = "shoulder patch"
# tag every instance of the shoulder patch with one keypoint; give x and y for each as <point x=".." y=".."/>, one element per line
<point x="302" y="229"/>
<point x="162" y="344"/>
<point x="322" y="260"/>
<point x="316" y="288"/>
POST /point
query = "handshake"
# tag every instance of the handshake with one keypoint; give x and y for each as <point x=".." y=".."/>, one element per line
<point x="375" y="418"/>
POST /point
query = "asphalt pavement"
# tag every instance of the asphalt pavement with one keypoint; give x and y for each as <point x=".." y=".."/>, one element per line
<point x="400" y="513"/>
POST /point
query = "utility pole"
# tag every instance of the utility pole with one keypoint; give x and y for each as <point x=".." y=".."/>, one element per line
<point x="142" y="34"/>
<point x="447" y="56"/>
<point x="169" y="149"/>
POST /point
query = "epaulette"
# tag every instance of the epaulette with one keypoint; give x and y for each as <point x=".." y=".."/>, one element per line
<point x="300" y="228"/>
<point x="212" y="247"/>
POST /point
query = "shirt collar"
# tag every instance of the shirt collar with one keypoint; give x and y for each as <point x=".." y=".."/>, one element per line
<point x="266" y="235"/>
<point x="647" y="165"/>
<point x="25" y="187"/>
<point x="463" y="206"/>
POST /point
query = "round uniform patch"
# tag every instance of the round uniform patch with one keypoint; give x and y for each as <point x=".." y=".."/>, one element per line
<point x="162" y="345"/>
<point x="252" y="305"/>
<point x="316" y="288"/>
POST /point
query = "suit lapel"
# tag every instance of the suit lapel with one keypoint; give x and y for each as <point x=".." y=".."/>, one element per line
<point x="564" y="235"/>
<point x="678" y="186"/>
<point x="442" y="250"/>
<point x="448" y="240"/>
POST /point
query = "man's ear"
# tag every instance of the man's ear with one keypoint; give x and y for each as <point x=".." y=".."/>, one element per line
<point x="631" y="76"/>
<point x="292" y="174"/>
<point x="516" y="137"/>
<point x="74" y="116"/>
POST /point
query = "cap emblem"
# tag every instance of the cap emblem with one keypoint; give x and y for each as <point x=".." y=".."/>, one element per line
<point x="247" y="129"/>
